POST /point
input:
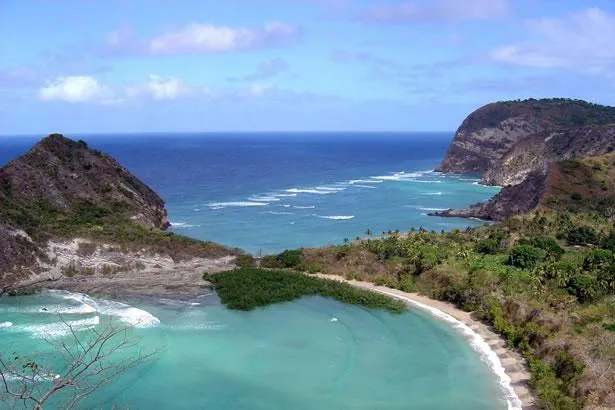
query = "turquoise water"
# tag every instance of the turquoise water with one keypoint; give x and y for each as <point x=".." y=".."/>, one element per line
<point x="269" y="192"/>
<point x="310" y="354"/>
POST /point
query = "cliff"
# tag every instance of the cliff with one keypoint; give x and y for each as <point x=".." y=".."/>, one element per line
<point x="506" y="141"/>
<point x="577" y="185"/>
<point x="66" y="209"/>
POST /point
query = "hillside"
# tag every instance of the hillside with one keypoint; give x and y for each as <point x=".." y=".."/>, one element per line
<point x="574" y="185"/>
<point x="506" y="141"/>
<point x="67" y="208"/>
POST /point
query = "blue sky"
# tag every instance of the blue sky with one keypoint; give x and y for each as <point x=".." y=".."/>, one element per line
<point x="240" y="65"/>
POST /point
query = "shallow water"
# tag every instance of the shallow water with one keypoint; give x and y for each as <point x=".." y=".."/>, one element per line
<point x="313" y="353"/>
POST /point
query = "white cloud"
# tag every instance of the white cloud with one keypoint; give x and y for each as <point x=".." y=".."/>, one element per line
<point x="210" y="38"/>
<point x="438" y="10"/>
<point x="582" y="41"/>
<point x="163" y="88"/>
<point x="155" y="88"/>
<point x="76" y="89"/>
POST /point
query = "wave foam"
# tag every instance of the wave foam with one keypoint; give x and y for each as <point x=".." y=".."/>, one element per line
<point x="4" y="325"/>
<point x="304" y="207"/>
<point x="365" y="186"/>
<point x="402" y="176"/>
<point x="284" y="195"/>
<point x="126" y="313"/>
<point x="241" y="204"/>
<point x="364" y="181"/>
<point x="432" y="193"/>
<point x="58" y="329"/>
<point x="336" y="217"/>
<point x="182" y="225"/>
<point x="279" y="213"/>
<point x="311" y="191"/>
<point x="434" y="209"/>
<point x="478" y="344"/>
<point x="263" y="198"/>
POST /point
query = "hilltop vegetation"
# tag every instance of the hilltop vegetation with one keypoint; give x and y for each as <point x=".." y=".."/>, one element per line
<point x="545" y="281"/>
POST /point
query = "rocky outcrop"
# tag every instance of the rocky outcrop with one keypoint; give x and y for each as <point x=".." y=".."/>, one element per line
<point x="511" y="200"/>
<point x="61" y="174"/>
<point x="506" y="141"/>
<point x="61" y="191"/>
<point x="578" y="185"/>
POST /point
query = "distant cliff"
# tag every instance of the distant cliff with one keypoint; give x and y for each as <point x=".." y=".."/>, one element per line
<point x="62" y="195"/>
<point x="506" y="141"/>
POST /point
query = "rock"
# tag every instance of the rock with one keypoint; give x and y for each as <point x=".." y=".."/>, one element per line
<point x="506" y="141"/>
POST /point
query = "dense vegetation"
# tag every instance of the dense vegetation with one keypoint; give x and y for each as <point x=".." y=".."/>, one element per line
<point x="249" y="288"/>
<point x="567" y="112"/>
<point x="545" y="281"/>
<point x="105" y="223"/>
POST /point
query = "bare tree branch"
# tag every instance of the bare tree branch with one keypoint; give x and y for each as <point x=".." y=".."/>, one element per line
<point x="87" y="365"/>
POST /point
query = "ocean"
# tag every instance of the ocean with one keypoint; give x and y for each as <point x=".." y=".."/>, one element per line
<point x="268" y="192"/>
<point x="265" y="193"/>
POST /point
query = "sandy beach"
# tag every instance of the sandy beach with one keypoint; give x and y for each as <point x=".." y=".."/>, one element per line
<point x="511" y="363"/>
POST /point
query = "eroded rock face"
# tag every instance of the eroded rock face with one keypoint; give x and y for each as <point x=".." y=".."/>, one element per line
<point x="61" y="173"/>
<point x="512" y="200"/>
<point x="506" y="141"/>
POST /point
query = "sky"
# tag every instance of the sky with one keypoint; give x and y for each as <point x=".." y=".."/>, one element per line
<point x="110" y="66"/>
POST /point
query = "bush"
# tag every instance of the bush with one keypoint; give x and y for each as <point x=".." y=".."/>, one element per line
<point x="581" y="235"/>
<point x="584" y="287"/>
<point x="549" y="245"/>
<point x="286" y="259"/>
<point x="608" y="242"/>
<point x="524" y="256"/>
<point x="245" y="261"/>
<point x="487" y="246"/>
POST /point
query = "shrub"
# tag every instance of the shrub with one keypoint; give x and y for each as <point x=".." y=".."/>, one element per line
<point x="245" y="261"/>
<point x="608" y="242"/>
<point x="487" y="246"/>
<point x="289" y="258"/>
<point x="581" y="235"/>
<point x="584" y="287"/>
<point x="524" y="256"/>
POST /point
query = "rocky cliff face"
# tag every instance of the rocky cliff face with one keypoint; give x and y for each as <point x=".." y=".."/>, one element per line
<point x="507" y="141"/>
<point x="61" y="174"/>
<point x="569" y="185"/>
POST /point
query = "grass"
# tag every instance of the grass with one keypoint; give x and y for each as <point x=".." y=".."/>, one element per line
<point x="250" y="288"/>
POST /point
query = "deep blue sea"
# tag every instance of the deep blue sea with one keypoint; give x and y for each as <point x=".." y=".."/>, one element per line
<point x="266" y="192"/>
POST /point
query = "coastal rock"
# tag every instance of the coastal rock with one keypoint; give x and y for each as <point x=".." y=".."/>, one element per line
<point x="506" y="141"/>
<point x="570" y="185"/>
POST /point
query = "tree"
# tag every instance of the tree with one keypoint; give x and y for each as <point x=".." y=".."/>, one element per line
<point x="524" y="256"/>
<point x="89" y="360"/>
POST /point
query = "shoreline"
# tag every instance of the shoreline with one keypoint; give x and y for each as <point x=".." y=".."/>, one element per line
<point x="506" y="363"/>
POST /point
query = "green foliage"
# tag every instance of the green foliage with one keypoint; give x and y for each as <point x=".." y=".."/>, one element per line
<point x="488" y="246"/>
<point x="581" y="235"/>
<point x="584" y="287"/>
<point x="245" y="261"/>
<point x="286" y="259"/>
<point x="524" y="256"/>
<point x="608" y="242"/>
<point x="247" y="289"/>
